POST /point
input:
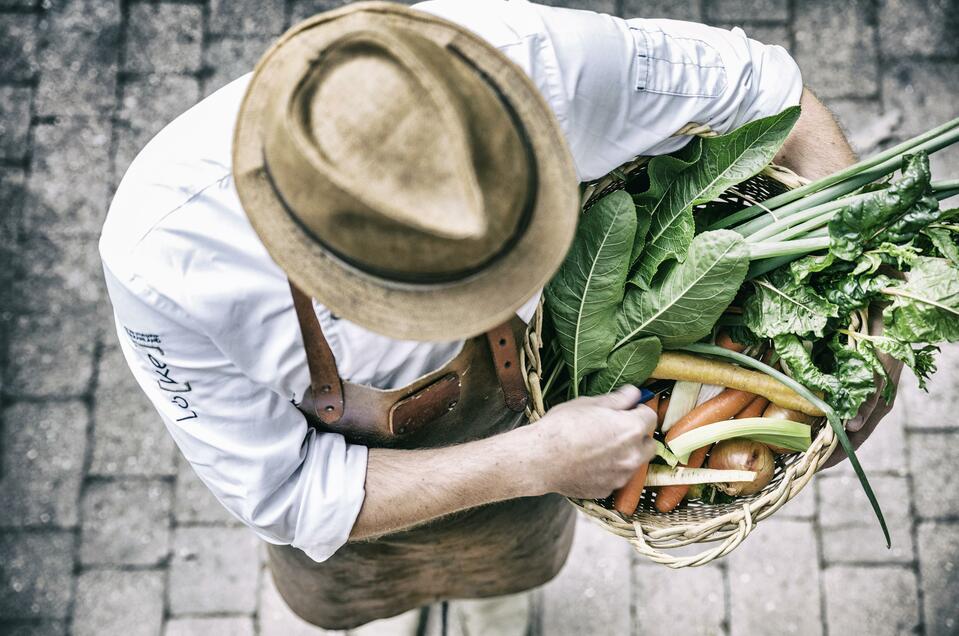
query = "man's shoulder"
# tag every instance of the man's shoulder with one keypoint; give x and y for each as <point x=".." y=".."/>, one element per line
<point x="188" y="156"/>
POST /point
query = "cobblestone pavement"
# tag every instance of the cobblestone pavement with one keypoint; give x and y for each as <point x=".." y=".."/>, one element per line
<point x="104" y="530"/>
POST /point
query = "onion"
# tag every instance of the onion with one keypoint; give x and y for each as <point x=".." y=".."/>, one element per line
<point x="781" y="413"/>
<point x="743" y="454"/>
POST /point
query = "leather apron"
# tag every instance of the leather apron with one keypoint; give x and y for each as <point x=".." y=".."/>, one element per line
<point x="492" y="550"/>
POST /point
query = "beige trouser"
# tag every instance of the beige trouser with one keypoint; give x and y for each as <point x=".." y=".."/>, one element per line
<point x="500" y="616"/>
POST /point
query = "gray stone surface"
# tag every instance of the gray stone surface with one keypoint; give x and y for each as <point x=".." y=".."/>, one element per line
<point x="118" y="602"/>
<point x="78" y="67"/>
<point x="690" y="601"/>
<point x="164" y="38"/>
<point x="41" y="455"/>
<point x="939" y="573"/>
<point x="850" y="532"/>
<point x="669" y="9"/>
<point x="773" y="580"/>
<point x="598" y="576"/>
<point x="14" y="121"/>
<point x="232" y="626"/>
<point x="36" y="574"/>
<point x="931" y="458"/>
<point x="129" y="436"/>
<point x="878" y="601"/>
<point x="229" y="57"/>
<point x="126" y="522"/>
<point x="748" y="11"/>
<point x="246" y="17"/>
<point x="18" y="46"/>
<point x="68" y="193"/>
<point x="213" y="571"/>
<point x="836" y="43"/>
<point x="85" y="83"/>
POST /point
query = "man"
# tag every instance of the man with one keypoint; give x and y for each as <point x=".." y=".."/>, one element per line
<point x="321" y="272"/>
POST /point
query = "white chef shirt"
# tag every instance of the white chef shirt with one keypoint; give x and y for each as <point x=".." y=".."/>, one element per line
<point x="205" y="317"/>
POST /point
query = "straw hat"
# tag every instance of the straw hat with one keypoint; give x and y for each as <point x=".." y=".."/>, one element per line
<point x="404" y="172"/>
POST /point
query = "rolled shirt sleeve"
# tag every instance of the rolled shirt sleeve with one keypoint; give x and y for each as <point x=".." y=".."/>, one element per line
<point x="248" y="444"/>
<point x="626" y="86"/>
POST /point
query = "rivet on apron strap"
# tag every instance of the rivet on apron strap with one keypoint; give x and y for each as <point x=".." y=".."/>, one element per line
<point x="325" y="380"/>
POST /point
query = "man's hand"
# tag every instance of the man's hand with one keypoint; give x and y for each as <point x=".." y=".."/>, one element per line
<point x="593" y="445"/>
<point x="875" y="408"/>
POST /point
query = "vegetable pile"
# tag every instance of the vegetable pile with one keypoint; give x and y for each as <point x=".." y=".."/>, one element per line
<point x="661" y="270"/>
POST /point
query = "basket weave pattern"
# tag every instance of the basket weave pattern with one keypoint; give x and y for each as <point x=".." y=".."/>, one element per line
<point x="651" y="532"/>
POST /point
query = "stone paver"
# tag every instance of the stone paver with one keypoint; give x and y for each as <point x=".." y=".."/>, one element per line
<point x="104" y="530"/>
<point x="690" y="601"/>
<point x="877" y="601"/>
<point x="773" y="580"/>
<point x="117" y="602"/>
<point x="939" y="573"/>
<point x="164" y="38"/>
<point x="126" y="522"/>
<point x="850" y="531"/>
<point x="41" y="455"/>
<point x="597" y="575"/>
<point x="214" y="571"/>
<point x="239" y="626"/>
<point x="36" y="574"/>
<point x="78" y="68"/>
<point x="931" y="457"/>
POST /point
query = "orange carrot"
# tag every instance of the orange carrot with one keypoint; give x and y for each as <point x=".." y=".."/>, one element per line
<point x="724" y="341"/>
<point x="668" y="497"/>
<point x="753" y="409"/>
<point x="626" y="498"/>
<point x="722" y="407"/>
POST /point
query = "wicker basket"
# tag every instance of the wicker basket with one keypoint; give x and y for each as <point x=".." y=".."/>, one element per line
<point x="654" y="534"/>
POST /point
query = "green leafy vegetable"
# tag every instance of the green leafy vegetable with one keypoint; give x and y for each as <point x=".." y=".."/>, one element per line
<point x="587" y="291"/>
<point x="684" y="304"/>
<point x="700" y="173"/>
<point x="780" y="305"/>
<point x="630" y="364"/>
<point x="942" y="239"/>
<point x="926" y="307"/>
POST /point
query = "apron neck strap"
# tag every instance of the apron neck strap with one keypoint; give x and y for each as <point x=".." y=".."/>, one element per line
<point x="325" y="381"/>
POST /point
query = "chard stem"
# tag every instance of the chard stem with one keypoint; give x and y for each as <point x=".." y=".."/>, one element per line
<point x="832" y="418"/>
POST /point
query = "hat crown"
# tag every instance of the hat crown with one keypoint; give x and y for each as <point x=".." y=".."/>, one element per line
<point x="392" y="150"/>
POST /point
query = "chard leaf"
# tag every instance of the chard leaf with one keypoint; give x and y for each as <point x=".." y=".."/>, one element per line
<point x="942" y="239"/>
<point x="809" y="265"/>
<point x="671" y="226"/>
<point x="643" y="220"/>
<point x="921" y="360"/>
<point x="849" y="293"/>
<point x="857" y="377"/>
<point x="630" y="364"/>
<point x="857" y="225"/>
<point x="797" y="360"/>
<point x="684" y="304"/>
<point x="717" y="163"/>
<point x="925" y="308"/>
<point x="588" y="289"/>
<point x="905" y="228"/>
<point x="780" y="305"/>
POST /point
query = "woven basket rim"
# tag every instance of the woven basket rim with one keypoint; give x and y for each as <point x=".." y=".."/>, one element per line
<point x="726" y="531"/>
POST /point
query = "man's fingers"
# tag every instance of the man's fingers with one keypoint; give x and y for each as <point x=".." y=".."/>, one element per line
<point x="622" y="399"/>
<point x="647" y="417"/>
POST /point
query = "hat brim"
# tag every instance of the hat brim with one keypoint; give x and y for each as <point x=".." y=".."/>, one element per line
<point x="433" y="312"/>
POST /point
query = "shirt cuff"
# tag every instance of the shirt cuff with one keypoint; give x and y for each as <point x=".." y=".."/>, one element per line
<point x="336" y="478"/>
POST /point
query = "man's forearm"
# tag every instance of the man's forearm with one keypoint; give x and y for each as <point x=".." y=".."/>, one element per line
<point x="816" y="147"/>
<point x="407" y="487"/>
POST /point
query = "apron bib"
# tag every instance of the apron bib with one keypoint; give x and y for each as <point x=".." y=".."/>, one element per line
<point x="492" y="550"/>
